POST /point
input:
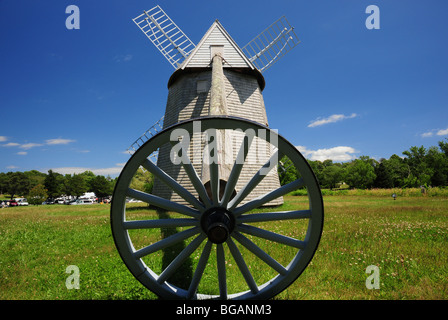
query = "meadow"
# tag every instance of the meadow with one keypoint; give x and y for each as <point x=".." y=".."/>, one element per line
<point x="405" y="238"/>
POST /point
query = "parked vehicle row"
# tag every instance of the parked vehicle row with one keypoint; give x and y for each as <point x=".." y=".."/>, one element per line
<point x="86" y="198"/>
<point x="13" y="202"/>
<point x="66" y="200"/>
<point x="81" y="201"/>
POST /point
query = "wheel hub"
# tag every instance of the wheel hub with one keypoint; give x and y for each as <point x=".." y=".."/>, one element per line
<point x="218" y="224"/>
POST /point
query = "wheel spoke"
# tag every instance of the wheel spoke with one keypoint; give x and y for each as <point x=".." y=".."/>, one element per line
<point x="274" y="216"/>
<point x="260" y="253"/>
<point x="197" y="183"/>
<point x="194" y="178"/>
<point x="256" y="179"/>
<point x="167" y="242"/>
<point x="242" y="266"/>
<point x="221" y="272"/>
<point x="170" y="182"/>
<point x="199" y="270"/>
<point x="283" y="190"/>
<point x="177" y="262"/>
<point x="214" y="170"/>
<point x="162" y="203"/>
<point x="272" y="236"/>
<point x="237" y="166"/>
<point x="159" y="223"/>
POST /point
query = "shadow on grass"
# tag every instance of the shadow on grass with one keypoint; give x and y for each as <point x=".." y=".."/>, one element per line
<point x="182" y="277"/>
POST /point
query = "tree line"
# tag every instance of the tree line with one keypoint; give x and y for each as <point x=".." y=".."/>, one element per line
<point x="419" y="166"/>
<point x="38" y="186"/>
<point x="53" y="185"/>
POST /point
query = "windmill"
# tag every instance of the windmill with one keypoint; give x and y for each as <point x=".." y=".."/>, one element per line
<point x="215" y="123"/>
<point x="243" y="95"/>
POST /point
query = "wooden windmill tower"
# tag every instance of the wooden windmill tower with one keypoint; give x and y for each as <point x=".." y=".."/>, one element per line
<point x="216" y="77"/>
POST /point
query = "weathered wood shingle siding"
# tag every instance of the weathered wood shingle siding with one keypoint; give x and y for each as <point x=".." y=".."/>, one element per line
<point x="245" y="100"/>
<point x="217" y="36"/>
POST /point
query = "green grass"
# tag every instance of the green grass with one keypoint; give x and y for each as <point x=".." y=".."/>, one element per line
<point x="406" y="238"/>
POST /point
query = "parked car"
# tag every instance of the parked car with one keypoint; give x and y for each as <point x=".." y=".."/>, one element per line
<point x="13" y="203"/>
<point x="49" y="201"/>
<point x="22" y="202"/>
<point x="81" y="201"/>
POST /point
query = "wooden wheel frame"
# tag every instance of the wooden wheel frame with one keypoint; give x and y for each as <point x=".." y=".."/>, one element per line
<point x="217" y="226"/>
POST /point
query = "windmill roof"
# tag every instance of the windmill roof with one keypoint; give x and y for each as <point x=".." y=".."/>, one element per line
<point x="217" y="36"/>
<point x="233" y="56"/>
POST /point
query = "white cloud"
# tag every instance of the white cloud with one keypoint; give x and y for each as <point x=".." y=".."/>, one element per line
<point x="59" y="141"/>
<point x="331" y="119"/>
<point x="443" y="132"/>
<point x="10" y="144"/>
<point x="337" y="154"/>
<point x="22" y="153"/>
<point x="27" y="146"/>
<point x="12" y="167"/>
<point x="108" y="171"/>
<point x="113" y="171"/>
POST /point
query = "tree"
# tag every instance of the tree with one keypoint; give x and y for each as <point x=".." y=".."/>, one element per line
<point x="397" y="169"/>
<point x="53" y="183"/>
<point x="78" y="185"/>
<point x="16" y="183"/>
<point x="420" y="172"/>
<point x="88" y="177"/>
<point x="383" y="177"/>
<point x="36" y="177"/>
<point x="101" y="186"/>
<point x="3" y="182"/>
<point x="438" y="162"/>
<point x="287" y="172"/>
<point x="444" y="147"/>
<point x="332" y="175"/>
<point x="360" y="173"/>
<point x="140" y="179"/>
<point x="65" y="186"/>
<point x="37" y="195"/>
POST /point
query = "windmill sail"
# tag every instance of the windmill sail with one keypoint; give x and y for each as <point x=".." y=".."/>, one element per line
<point x="165" y="35"/>
<point x="272" y="44"/>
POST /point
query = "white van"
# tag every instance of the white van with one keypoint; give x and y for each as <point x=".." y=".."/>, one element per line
<point x="82" y="201"/>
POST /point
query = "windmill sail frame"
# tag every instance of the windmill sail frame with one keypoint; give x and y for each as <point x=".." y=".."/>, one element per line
<point x="168" y="38"/>
<point x="271" y="44"/>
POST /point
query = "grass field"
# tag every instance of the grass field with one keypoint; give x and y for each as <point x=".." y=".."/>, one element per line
<point x="407" y="239"/>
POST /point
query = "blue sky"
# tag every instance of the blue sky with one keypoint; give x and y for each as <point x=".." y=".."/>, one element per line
<point x="75" y="100"/>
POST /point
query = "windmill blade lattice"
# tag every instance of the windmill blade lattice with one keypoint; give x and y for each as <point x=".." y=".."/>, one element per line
<point x="272" y="44"/>
<point x="168" y="38"/>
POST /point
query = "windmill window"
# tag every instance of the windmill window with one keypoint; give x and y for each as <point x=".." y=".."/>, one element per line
<point x="202" y="86"/>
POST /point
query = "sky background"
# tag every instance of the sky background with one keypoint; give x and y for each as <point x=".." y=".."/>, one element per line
<point x="75" y="100"/>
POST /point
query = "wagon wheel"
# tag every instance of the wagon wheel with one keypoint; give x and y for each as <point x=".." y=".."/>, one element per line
<point x="223" y="233"/>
